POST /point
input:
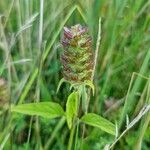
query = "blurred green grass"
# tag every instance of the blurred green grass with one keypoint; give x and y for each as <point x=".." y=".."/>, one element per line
<point x="33" y="69"/>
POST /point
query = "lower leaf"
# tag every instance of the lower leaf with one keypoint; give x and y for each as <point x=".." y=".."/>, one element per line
<point x="44" y="109"/>
<point x="100" y="122"/>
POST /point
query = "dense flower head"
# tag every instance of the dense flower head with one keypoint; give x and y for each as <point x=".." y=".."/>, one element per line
<point x="77" y="58"/>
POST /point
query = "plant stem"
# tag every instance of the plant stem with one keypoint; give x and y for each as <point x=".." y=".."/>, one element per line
<point x="71" y="136"/>
<point x="77" y="131"/>
<point x="83" y="132"/>
<point x="143" y="129"/>
<point x="97" y="48"/>
<point x="53" y="135"/>
<point x="144" y="123"/>
<point x="29" y="133"/>
<point x="85" y="99"/>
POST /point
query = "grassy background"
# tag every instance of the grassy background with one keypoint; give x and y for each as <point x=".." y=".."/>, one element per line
<point x="29" y="60"/>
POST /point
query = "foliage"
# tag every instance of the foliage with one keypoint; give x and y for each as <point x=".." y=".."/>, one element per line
<point x="29" y="63"/>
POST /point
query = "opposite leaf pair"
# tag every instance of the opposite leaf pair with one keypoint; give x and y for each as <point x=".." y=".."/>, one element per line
<point x="51" y="110"/>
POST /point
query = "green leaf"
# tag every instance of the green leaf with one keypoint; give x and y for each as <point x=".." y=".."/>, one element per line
<point x="44" y="109"/>
<point x="60" y="83"/>
<point x="71" y="108"/>
<point x="91" y="85"/>
<point x="100" y="122"/>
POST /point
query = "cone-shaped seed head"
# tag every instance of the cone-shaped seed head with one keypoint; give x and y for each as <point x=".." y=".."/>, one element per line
<point x="77" y="58"/>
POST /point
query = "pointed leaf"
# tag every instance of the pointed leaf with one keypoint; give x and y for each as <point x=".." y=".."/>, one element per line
<point x="91" y="85"/>
<point x="100" y="122"/>
<point x="71" y="108"/>
<point x="59" y="84"/>
<point x="43" y="109"/>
